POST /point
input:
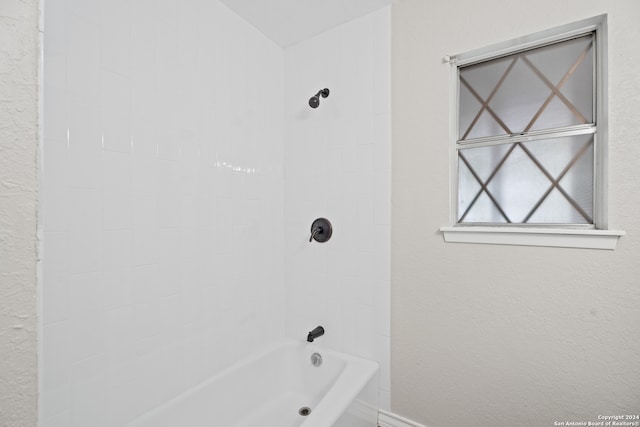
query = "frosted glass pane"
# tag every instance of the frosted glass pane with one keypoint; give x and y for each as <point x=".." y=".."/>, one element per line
<point x="518" y="185"/>
<point x="485" y="125"/>
<point x="556" y="209"/>
<point x="481" y="79"/>
<point x="484" y="211"/>
<point x="520" y="97"/>
<point x="470" y="110"/>
<point x="577" y="87"/>
<point x="484" y="77"/>
<point x="548" y="181"/>
<point x="555" y="115"/>
<point x="544" y="88"/>
<point x="485" y="160"/>
<point x="469" y="185"/>
<point x="555" y="154"/>
<point x="578" y="182"/>
<point x="555" y="60"/>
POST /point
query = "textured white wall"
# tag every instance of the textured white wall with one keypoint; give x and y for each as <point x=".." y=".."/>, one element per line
<point x="18" y="201"/>
<point x="337" y="165"/>
<point x="499" y="335"/>
<point x="162" y="202"/>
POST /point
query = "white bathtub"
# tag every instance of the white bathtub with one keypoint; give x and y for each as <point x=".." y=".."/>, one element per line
<point x="268" y="389"/>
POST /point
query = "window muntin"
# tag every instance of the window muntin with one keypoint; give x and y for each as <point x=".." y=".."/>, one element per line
<point x="526" y="136"/>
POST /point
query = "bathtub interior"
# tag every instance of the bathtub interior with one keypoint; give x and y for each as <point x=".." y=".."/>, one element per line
<point x="268" y="390"/>
<point x="298" y="385"/>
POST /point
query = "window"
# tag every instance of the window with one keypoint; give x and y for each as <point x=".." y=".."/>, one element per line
<point x="526" y="136"/>
<point x="530" y="133"/>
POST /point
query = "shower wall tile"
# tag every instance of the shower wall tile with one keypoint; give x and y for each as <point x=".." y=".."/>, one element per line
<point x="146" y="243"/>
<point x="56" y="185"/>
<point x="55" y="54"/>
<point x="83" y="57"/>
<point x="117" y="249"/>
<point x="57" y="252"/>
<point x="86" y="337"/>
<point x="89" y="396"/>
<point x="115" y="26"/>
<point x="337" y="165"/>
<point x="117" y="191"/>
<point x="163" y="181"/>
<point x="55" y="117"/>
<point x="85" y="295"/>
<point x="88" y="10"/>
<point x="55" y="19"/>
<point x="381" y="136"/>
<point x="57" y="296"/>
<point x="56" y="360"/>
<point x="382" y="353"/>
<point x="60" y="420"/>
<point x="118" y="284"/>
<point x="116" y="112"/>
<point x="84" y="141"/>
<point x="85" y="234"/>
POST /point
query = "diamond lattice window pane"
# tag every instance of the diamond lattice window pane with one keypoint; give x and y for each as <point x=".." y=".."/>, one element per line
<point x="569" y="162"/>
<point x="519" y="98"/>
<point x="555" y="115"/>
<point x="478" y="84"/>
<point x="556" y="209"/>
<point x="547" y="181"/>
<point x="485" y="211"/>
<point x="518" y="185"/>
<point x="556" y="153"/>
<point x="545" y="88"/>
<point x="485" y="160"/>
<point x="569" y="66"/>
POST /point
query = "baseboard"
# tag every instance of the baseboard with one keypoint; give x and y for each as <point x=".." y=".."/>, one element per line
<point x="387" y="419"/>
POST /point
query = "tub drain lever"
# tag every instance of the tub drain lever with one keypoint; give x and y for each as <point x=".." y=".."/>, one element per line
<point x="316" y="359"/>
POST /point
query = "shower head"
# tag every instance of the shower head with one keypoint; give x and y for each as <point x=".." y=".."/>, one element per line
<point x="314" y="101"/>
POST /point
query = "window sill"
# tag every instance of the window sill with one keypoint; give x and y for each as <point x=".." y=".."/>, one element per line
<point x="549" y="237"/>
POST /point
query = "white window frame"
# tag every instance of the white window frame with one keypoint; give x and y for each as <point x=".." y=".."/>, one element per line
<point x="593" y="237"/>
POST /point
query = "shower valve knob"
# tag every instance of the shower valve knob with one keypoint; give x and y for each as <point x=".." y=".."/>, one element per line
<point x="321" y="230"/>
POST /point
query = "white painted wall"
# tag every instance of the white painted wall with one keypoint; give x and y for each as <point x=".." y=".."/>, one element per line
<point x="503" y="335"/>
<point x="337" y="166"/>
<point x="162" y="201"/>
<point x="19" y="43"/>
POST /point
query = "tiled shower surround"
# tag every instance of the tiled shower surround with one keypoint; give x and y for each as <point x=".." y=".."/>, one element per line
<point x="181" y="171"/>
<point x="338" y="166"/>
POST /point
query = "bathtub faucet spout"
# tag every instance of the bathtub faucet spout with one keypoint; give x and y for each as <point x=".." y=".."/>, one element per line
<point x="317" y="332"/>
